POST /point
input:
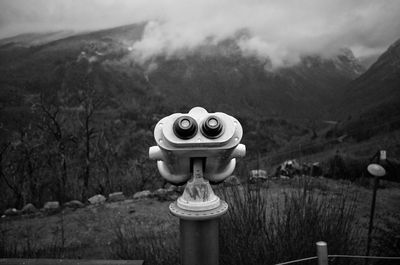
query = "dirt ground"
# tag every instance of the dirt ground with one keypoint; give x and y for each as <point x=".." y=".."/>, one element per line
<point x="91" y="228"/>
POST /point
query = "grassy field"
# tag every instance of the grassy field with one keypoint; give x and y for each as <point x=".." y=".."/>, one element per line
<point x="139" y="229"/>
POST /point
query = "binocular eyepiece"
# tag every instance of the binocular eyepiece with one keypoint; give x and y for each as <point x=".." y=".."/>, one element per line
<point x="213" y="137"/>
<point x="186" y="127"/>
<point x="212" y="127"/>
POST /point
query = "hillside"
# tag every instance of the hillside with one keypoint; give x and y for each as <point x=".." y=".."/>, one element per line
<point x="368" y="120"/>
<point x="244" y="86"/>
<point x="370" y="103"/>
<point x="247" y="87"/>
<point x="35" y="39"/>
<point x="234" y="83"/>
<point x="377" y="88"/>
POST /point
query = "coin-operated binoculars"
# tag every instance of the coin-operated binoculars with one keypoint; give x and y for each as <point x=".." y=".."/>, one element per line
<point x="198" y="148"/>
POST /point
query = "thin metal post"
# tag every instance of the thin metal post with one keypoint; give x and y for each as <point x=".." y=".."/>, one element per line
<point x="199" y="242"/>
<point x="371" y="216"/>
<point x="322" y="253"/>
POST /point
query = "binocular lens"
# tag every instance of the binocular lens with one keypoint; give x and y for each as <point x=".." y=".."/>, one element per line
<point x="212" y="127"/>
<point x="185" y="127"/>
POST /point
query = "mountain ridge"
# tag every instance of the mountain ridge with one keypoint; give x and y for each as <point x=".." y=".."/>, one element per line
<point x="220" y="65"/>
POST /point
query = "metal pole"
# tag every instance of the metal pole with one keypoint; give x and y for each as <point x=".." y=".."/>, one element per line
<point x="198" y="220"/>
<point x="199" y="242"/>
<point x="371" y="216"/>
<point x="322" y="253"/>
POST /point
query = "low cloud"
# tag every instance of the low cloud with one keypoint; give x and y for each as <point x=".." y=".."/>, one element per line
<point x="279" y="30"/>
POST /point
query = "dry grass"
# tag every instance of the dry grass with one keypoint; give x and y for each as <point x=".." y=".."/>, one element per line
<point x="263" y="228"/>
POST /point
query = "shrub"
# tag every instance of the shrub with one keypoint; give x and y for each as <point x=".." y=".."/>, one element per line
<point x="29" y="247"/>
<point x="388" y="239"/>
<point x="339" y="167"/>
<point x="156" y="245"/>
<point x="262" y="230"/>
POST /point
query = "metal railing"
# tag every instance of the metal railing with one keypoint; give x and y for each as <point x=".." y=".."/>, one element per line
<point x="323" y="257"/>
<point x="4" y="261"/>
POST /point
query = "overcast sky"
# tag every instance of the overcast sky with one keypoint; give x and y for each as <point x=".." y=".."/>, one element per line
<point x="280" y="29"/>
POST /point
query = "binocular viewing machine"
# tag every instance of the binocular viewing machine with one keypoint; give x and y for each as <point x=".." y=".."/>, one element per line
<point x="197" y="148"/>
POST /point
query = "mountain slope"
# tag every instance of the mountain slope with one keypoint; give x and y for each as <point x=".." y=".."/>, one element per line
<point x="35" y="39"/>
<point x="231" y="81"/>
<point x="245" y="85"/>
<point x="378" y="87"/>
<point x="370" y="105"/>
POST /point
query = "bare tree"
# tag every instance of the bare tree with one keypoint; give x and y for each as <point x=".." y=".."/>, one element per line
<point x="89" y="102"/>
<point x="8" y="174"/>
<point x="81" y="97"/>
<point x="53" y="124"/>
<point x="21" y="163"/>
<point x="106" y="158"/>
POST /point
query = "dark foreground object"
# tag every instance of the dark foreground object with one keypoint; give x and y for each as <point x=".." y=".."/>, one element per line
<point x="68" y="262"/>
<point x="199" y="242"/>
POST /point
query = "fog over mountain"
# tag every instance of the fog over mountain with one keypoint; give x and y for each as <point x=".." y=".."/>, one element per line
<point x="282" y="31"/>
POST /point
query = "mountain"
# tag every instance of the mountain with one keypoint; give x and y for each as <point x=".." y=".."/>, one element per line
<point x="245" y="85"/>
<point x="274" y="105"/>
<point x="369" y="105"/>
<point x="378" y="87"/>
<point x="231" y="81"/>
<point x="35" y="39"/>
